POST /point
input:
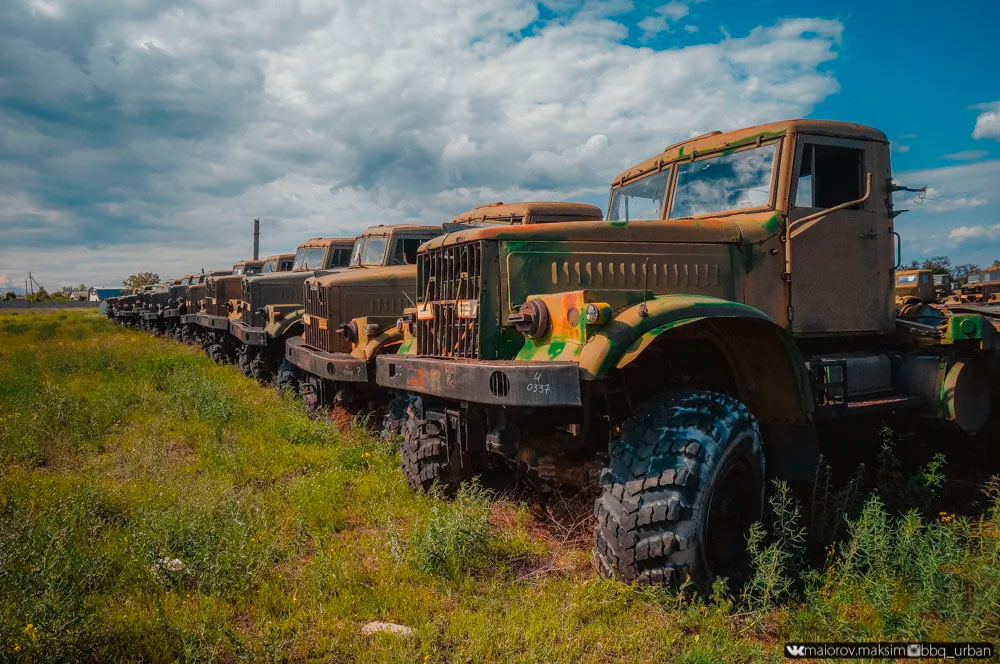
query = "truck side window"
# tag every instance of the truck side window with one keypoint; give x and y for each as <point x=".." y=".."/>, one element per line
<point x="339" y="257"/>
<point x="405" y="251"/>
<point x="829" y="175"/>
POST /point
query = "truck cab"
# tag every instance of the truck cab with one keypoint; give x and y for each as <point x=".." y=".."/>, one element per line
<point x="270" y="306"/>
<point x="914" y="286"/>
<point x="739" y="292"/>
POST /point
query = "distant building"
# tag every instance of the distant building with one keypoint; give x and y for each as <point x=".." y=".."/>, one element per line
<point x="79" y="295"/>
<point x="97" y="294"/>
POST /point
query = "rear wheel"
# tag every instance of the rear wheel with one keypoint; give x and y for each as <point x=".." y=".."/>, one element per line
<point x="218" y="353"/>
<point x="685" y="483"/>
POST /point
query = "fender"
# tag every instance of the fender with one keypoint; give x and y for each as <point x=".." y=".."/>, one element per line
<point x="377" y="345"/>
<point x="291" y="314"/>
<point x="766" y="361"/>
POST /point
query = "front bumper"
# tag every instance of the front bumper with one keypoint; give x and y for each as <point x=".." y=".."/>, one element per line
<point x="213" y="322"/>
<point x="251" y="336"/>
<point x="332" y="366"/>
<point x="495" y="382"/>
<point x="126" y="314"/>
<point x="189" y="319"/>
<point x="171" y="313"/>
<point x="150" y="315"/>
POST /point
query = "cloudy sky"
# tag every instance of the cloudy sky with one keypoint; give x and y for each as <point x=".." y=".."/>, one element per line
<point x="146" y="134"/>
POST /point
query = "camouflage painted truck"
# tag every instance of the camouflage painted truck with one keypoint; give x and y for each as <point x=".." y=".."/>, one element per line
<point x="270" y="307"/>
<point x="352" y="316"/>
<point x="222" y="294"/>
<point x="739" y="293"/>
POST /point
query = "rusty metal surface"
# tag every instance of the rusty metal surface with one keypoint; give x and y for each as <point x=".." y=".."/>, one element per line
<point x="331" y="366"/>
<point x="252" y="336"/>
<point x="499" y="383"/>
<point x="529" y="213"/>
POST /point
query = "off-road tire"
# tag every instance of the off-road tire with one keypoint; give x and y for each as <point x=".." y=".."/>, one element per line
<point x="243" y="361"/>
<point x="427" y="459"/>
<point x="395" y="417"/>
<point x="287" y="377"/>
<point x="259" y="370"/>
<point x="686" y="462"/>
<point x="218" y="353"/>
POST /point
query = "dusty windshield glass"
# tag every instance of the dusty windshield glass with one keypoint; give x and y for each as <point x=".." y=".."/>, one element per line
<point x="374" y="251"/>
<point x="905" y="279"/>
<point x="237" y="269"/>
<point x="642" y="199"/>
<point x="309" y="257"/>
<point x="270" y="266"/>
<point x="726" y="182"/>
<point x="356" y="252"/>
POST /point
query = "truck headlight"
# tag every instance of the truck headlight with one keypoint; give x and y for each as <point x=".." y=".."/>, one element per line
<point x="597" y="312"/>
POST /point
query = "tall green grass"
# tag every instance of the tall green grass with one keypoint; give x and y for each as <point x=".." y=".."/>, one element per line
<point x="157" y="507"/>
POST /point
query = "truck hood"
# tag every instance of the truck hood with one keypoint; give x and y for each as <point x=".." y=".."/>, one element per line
<point x="369" y="276"/>
<point x="746" y="228"/>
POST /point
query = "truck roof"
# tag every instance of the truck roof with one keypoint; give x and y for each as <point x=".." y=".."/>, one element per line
<point x="326" y="241"/>
<point x="249" y="261"/>
<point x="551" y="211"/>
<point x="278" y="257"/>
<point x="380" y="229"/>
<point x="717" y="140"/>
<point x="899" y="272"/>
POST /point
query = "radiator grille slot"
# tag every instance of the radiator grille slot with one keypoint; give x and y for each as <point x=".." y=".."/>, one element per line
<point x="445" y="276"/>
<point x="317" y="305"/>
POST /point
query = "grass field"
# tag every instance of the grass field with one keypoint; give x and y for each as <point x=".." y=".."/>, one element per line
<point x="157" y="507"/>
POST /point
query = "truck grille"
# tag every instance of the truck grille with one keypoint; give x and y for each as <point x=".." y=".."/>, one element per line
<point x="444" y="276"/>
<point x="315" y="337"/>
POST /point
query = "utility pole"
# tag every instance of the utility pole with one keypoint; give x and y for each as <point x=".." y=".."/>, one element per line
<point x="256" y="238"/>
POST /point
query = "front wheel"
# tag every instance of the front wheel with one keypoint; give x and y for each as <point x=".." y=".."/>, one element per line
<point x="685" y="483"/>
<point x="287" y="378"/>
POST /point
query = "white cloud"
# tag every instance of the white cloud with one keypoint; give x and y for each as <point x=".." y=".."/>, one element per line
<point x="963" y="233"/>
<point x="988" y="122"/>
<point x="171" y="127"/>
<point x="661" y="18"/>
<point x="967" y="155"/>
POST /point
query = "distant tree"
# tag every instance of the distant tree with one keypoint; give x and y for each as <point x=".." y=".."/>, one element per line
<point x="140" y="279"/>
<point x="996" y="262"/>
<point x="939" y="264"/>
<point x="40" y="295"/>
<point x="10" y="295"/>
<point x="962" y="272"/>
<point x="914" y="265"/>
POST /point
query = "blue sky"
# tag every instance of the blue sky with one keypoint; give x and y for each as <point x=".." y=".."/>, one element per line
<point x="146" y="135"/>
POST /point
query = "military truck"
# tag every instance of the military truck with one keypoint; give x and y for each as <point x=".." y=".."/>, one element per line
<point x="219" y="305"/>
<point x="278" y="263"/>
<point x="353" y="316"/>
<point x="984" y="286"/>
<point x="371" y="293"/>
<point x="270" y="307"/>
<point x="738" y="294"/>
<point x="189" y="306"/>
<point x="914" y="286"/>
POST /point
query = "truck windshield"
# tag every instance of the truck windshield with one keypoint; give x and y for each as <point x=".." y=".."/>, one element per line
<point x="237" y="269"/>
<point x="369" y="250"/>
<point x="906" y="279"/>
<point x="270" y="266"/>
<point x="309" y="257"/>
<point x="939" y="279"/>
<point x="642" y="199"/>
<point x="724" y="182"/>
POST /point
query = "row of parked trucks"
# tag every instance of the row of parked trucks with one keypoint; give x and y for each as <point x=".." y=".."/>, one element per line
<point x="738" y="294"/>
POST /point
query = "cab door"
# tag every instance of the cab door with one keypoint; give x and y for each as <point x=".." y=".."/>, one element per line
<point x="841" y="265"/>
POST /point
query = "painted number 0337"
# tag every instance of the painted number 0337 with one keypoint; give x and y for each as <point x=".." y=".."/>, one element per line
<point x="538" y="388"/>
